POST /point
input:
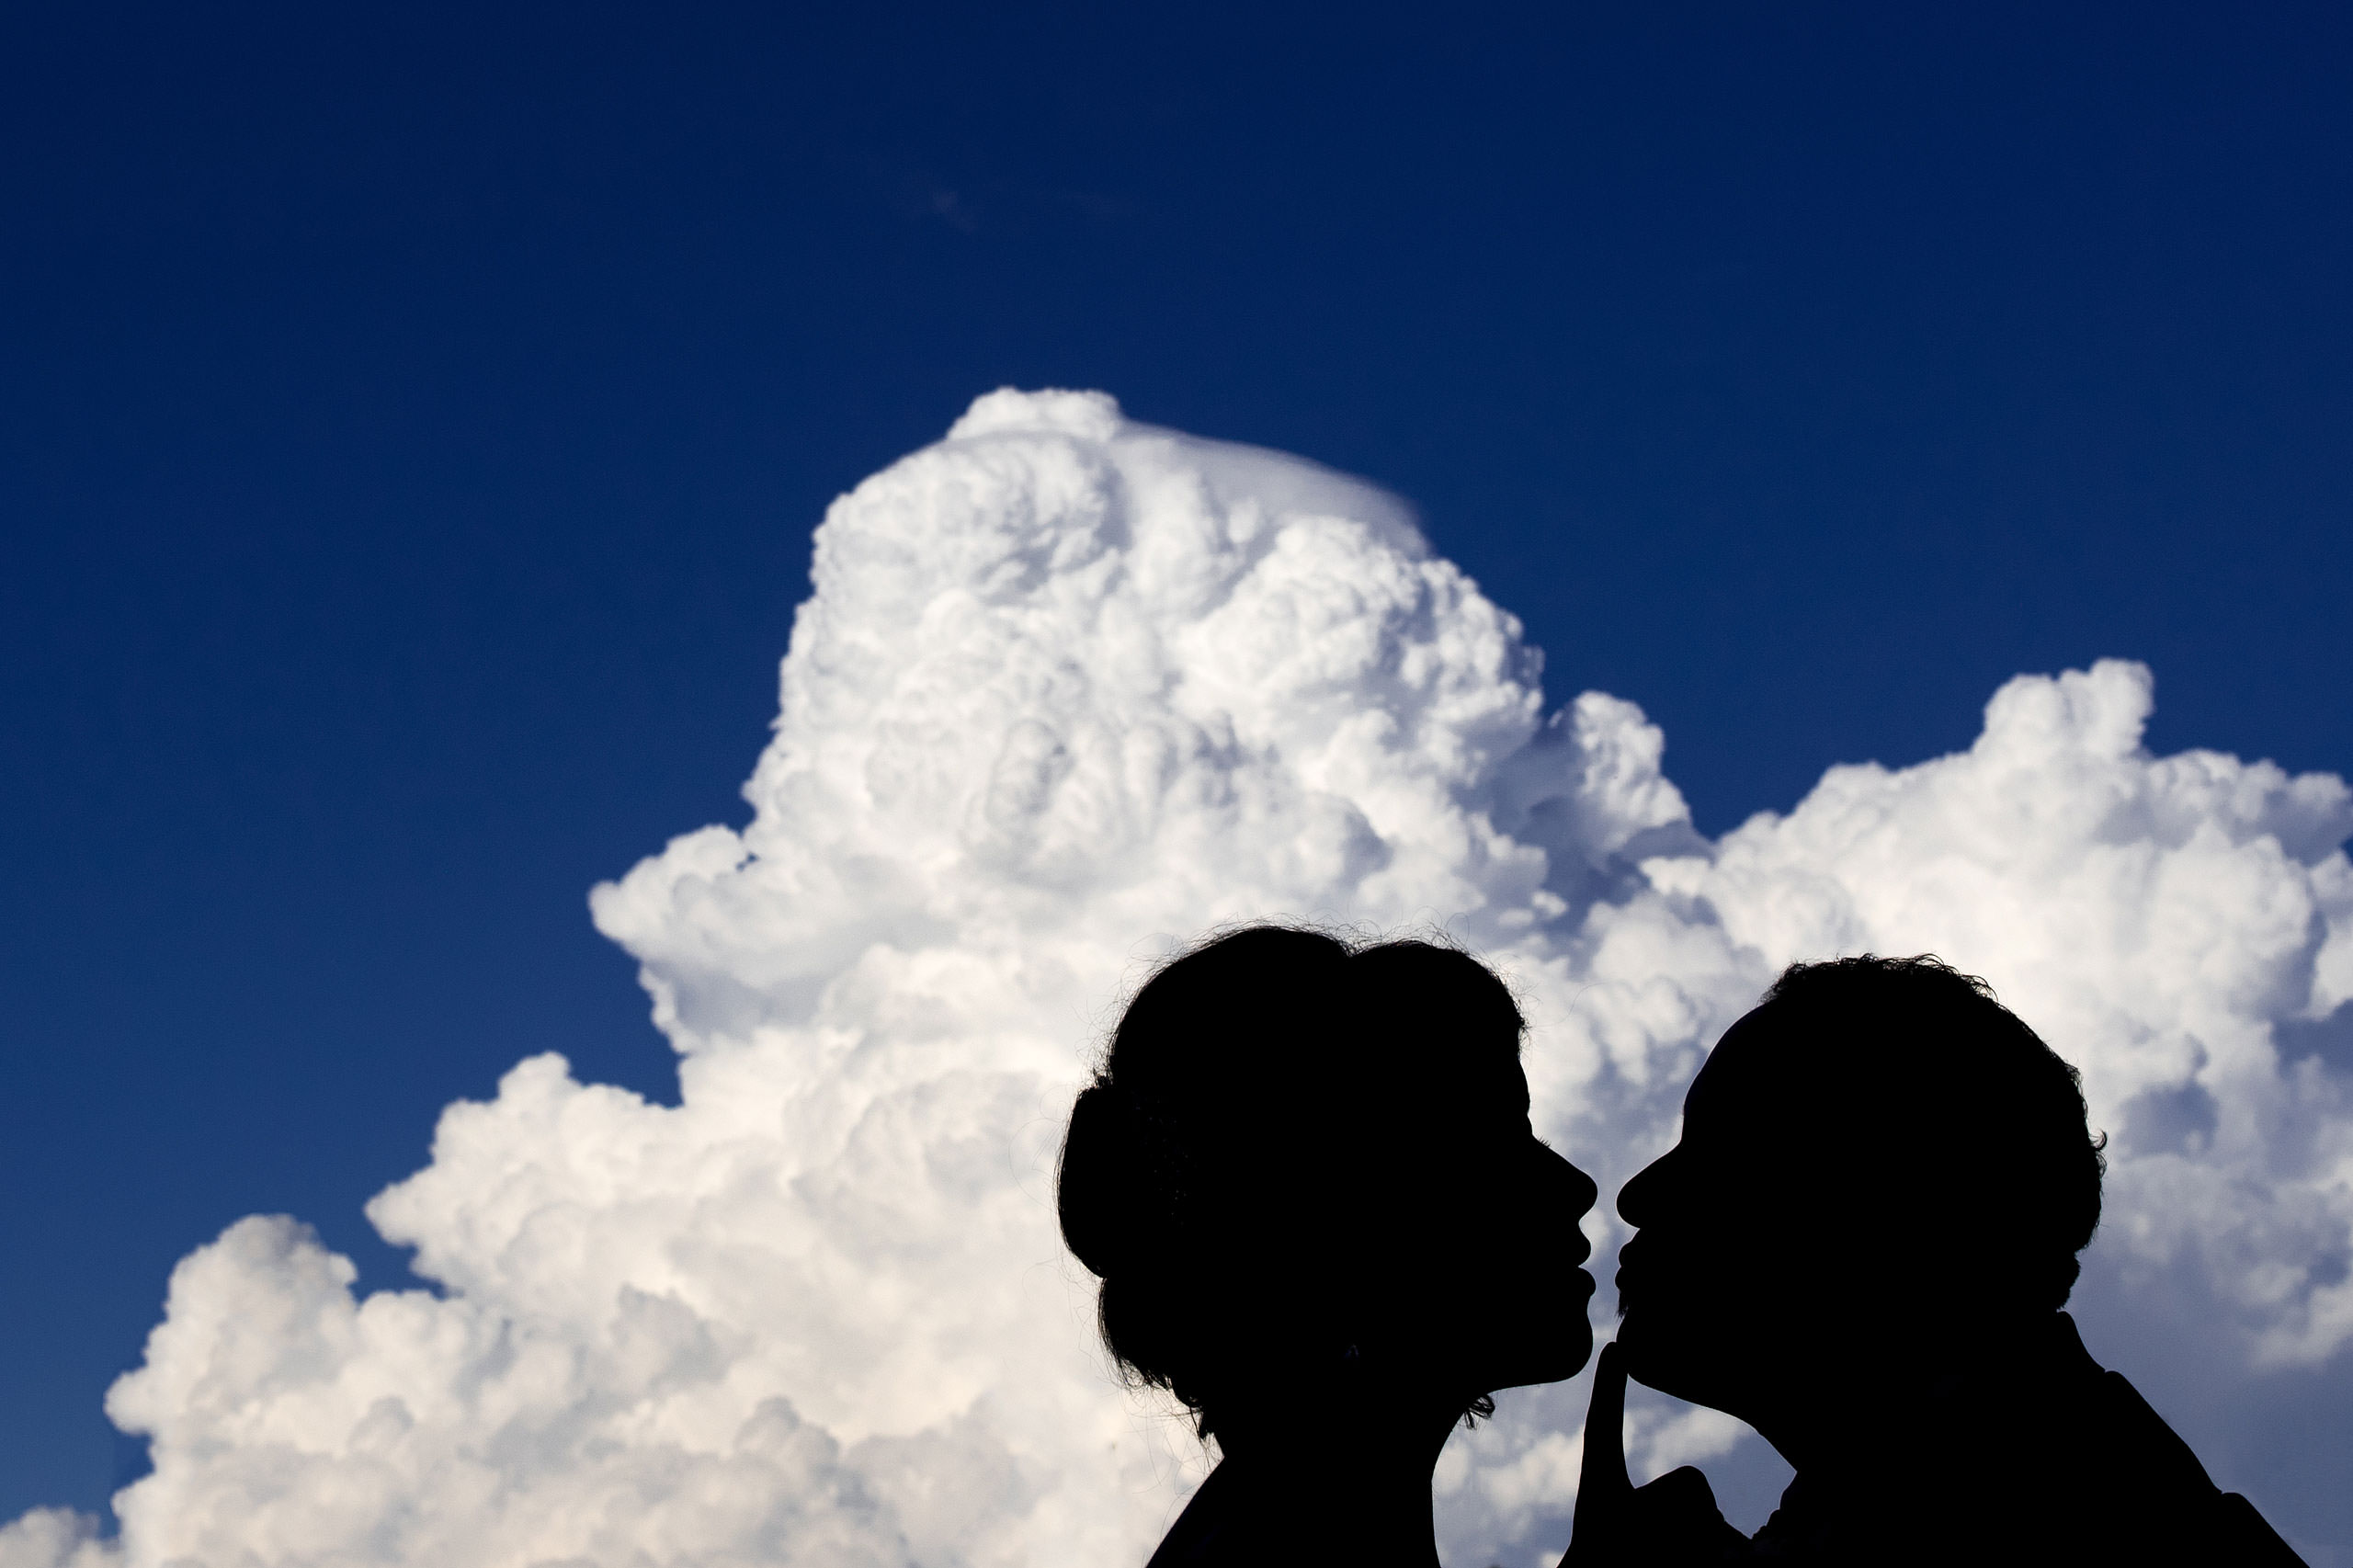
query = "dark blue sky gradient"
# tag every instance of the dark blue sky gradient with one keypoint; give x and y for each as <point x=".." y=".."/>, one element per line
<point x="411" y="419"/>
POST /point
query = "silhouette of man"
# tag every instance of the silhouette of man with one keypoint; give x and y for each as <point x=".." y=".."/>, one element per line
<point x="1861" y="1247"/>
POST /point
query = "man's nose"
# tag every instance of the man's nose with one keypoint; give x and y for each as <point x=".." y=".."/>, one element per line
<point x="1644" y="1196"/>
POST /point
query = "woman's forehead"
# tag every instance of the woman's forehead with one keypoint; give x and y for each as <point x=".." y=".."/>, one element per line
<point x="1483" y="1085"/>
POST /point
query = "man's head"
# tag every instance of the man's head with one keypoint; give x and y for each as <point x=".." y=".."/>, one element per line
<point x="1878" y="1154"/>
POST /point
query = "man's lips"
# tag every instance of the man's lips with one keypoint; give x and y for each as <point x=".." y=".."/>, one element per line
<point x="1652" y="1280"/>
<point x="1631" y="1263"/>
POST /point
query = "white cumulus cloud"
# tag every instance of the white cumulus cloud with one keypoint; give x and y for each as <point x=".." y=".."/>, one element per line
<point x="1069" y="690"/>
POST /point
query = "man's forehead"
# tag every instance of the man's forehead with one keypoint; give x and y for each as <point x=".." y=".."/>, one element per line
<point x="1751" y="1073"/>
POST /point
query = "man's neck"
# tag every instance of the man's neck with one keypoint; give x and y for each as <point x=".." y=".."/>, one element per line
<point x="1870" y="1403"/>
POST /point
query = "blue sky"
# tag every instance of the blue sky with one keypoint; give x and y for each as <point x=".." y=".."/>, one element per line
<point x="413" y="420"/>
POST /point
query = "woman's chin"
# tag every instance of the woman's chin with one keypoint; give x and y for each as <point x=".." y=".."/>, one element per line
<point x="1558" y="1362"/>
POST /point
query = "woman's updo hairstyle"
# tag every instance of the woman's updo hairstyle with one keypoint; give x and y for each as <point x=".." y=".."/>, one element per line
<point x="1260" y="1134"/>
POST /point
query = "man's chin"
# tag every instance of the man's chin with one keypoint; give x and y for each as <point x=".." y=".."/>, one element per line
<point x="1648" y="1347"/>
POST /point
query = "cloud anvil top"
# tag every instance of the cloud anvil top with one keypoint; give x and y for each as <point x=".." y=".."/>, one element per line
<point x="1068" y="688"/>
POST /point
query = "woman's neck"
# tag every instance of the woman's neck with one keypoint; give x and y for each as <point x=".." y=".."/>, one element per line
<point x="1349" y="1468"/>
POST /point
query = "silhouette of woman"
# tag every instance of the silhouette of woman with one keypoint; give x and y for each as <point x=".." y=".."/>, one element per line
<point x="1306" y="1178"/>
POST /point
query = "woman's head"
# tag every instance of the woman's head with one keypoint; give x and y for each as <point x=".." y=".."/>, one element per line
<point x="1297" y="1151"/>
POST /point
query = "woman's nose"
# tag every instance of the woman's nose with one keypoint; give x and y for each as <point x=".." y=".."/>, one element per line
<point x="1577" y="1189"/>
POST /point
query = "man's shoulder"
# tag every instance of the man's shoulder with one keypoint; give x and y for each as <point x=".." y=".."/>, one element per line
<point x="2147" y="1484"/>
<point x="2127" y="1431"/>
